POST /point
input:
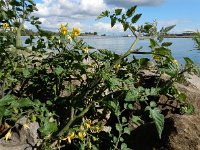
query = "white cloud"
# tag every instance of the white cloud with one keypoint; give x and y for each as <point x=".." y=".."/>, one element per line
<point x="129" y="3"/>
<point x="70" y="8"/>
<point x="79" y="13"/>
<point x="101" y="27"/>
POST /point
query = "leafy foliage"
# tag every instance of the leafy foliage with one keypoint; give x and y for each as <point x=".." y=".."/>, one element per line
<point x="71" y="97"/>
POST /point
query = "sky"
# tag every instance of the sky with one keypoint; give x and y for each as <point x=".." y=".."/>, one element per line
<point x="185" y="14"/>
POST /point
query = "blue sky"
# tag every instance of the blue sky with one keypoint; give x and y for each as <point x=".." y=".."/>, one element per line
<point x="82" y="13"/>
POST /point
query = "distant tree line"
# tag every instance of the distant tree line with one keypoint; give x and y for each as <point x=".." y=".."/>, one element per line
<point x="26" y="32"/>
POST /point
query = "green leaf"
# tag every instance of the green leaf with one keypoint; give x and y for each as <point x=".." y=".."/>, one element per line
<point x="114" y="83"/>
<point x="136" y="18"/>
<point x="123" y="146"/>
<point x="2" y="111"/>
<point x="103" y="14"/>
<point x="58" y="70"/>
<point x="118" y="11"/>
<point x="26" y="103"/>
<point x="127" y="130"/>
<point x="124" y="120"/>
<point x="48" y="128"/>
<point x="113" y="105"/>
<point x="125" y="25"/>
<point x="144" y="62"/>
<point x="130" y="106"/>
<point x="26" y="73"/>
<point x="153" y="43"/>
<point x="113" y="21"/>
<point x="136" y="120"/>
<point x="167" y="29"/>
<point x="166" y="44"/>
<point x="6" y="100"/>
<point x="188" y="61"/>
<point x="181" y="97"/>
<point x="131" y="11"/>
<point x="119" y="127"/>
<point x="157" y="117"/>
<point x="153" y="104"/>
<point x="147" y="27"/>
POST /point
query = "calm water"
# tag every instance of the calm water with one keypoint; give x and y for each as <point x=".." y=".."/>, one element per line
<point x="181" y="47"/>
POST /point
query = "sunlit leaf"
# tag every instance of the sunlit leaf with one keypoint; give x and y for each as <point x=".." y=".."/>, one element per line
<point x="158" y="118"/>
<point x="103" y="14"/>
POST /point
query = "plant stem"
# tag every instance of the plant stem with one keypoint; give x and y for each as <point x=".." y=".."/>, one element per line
<point x="73" y="118"/>
<point x="131" y="50"/>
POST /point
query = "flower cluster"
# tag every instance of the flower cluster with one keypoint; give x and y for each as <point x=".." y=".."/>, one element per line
<point x="64" y="31"/>
<point x="6" y="26"/>
<point x="86" y="129"/>
<point x="76" y="31"/>
<point x="117" y="66"/>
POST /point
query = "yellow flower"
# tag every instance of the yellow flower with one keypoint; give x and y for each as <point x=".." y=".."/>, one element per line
<point x="63" y="29"/>
<point x="70" y="137"/>
<point x="76" y="31"/>
<point x="85" y="50"/>
<point x="81" y="135"/>
<point x="8" y="135"/>
<point x="87" y="123"/>
<point x="96" y="129"/>
<point x="175" y="62"/>
<point x="5" y="26"/>
<point x="117" y="66"/>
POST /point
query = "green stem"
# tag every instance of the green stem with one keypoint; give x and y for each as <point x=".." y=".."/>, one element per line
<point x="73" y="118"/>
<point x="131" y="50"/>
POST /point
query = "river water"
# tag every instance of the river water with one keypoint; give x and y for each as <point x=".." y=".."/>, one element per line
<point x="181" y="47"/>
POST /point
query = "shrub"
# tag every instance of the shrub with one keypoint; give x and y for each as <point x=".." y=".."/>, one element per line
<point x="74" y="99"/>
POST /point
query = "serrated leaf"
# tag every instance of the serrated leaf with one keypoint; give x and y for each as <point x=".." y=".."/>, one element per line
<point x="103" y="14"/>
<point x="166" y="44"/>
<point x="26" y="103"/>
<point x="48" y="128"/>
<point x="131" y="11"/>
<point x="125" y="26"/>
<point x="6" y="100"/>
<point x="188" y="61"/>
<point x="113" y="21"/>
<point x="118" y="11"/>
<point x="113" y="105"/>
<point x="26" y="73"/>
<point x="136" y="120"/>
<point x="58" y="70"/>
<point x="157" y="117"/>
<point x="153" y="43"/>
<point x="136" y="18"/>
<point x="167" y="29"/>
